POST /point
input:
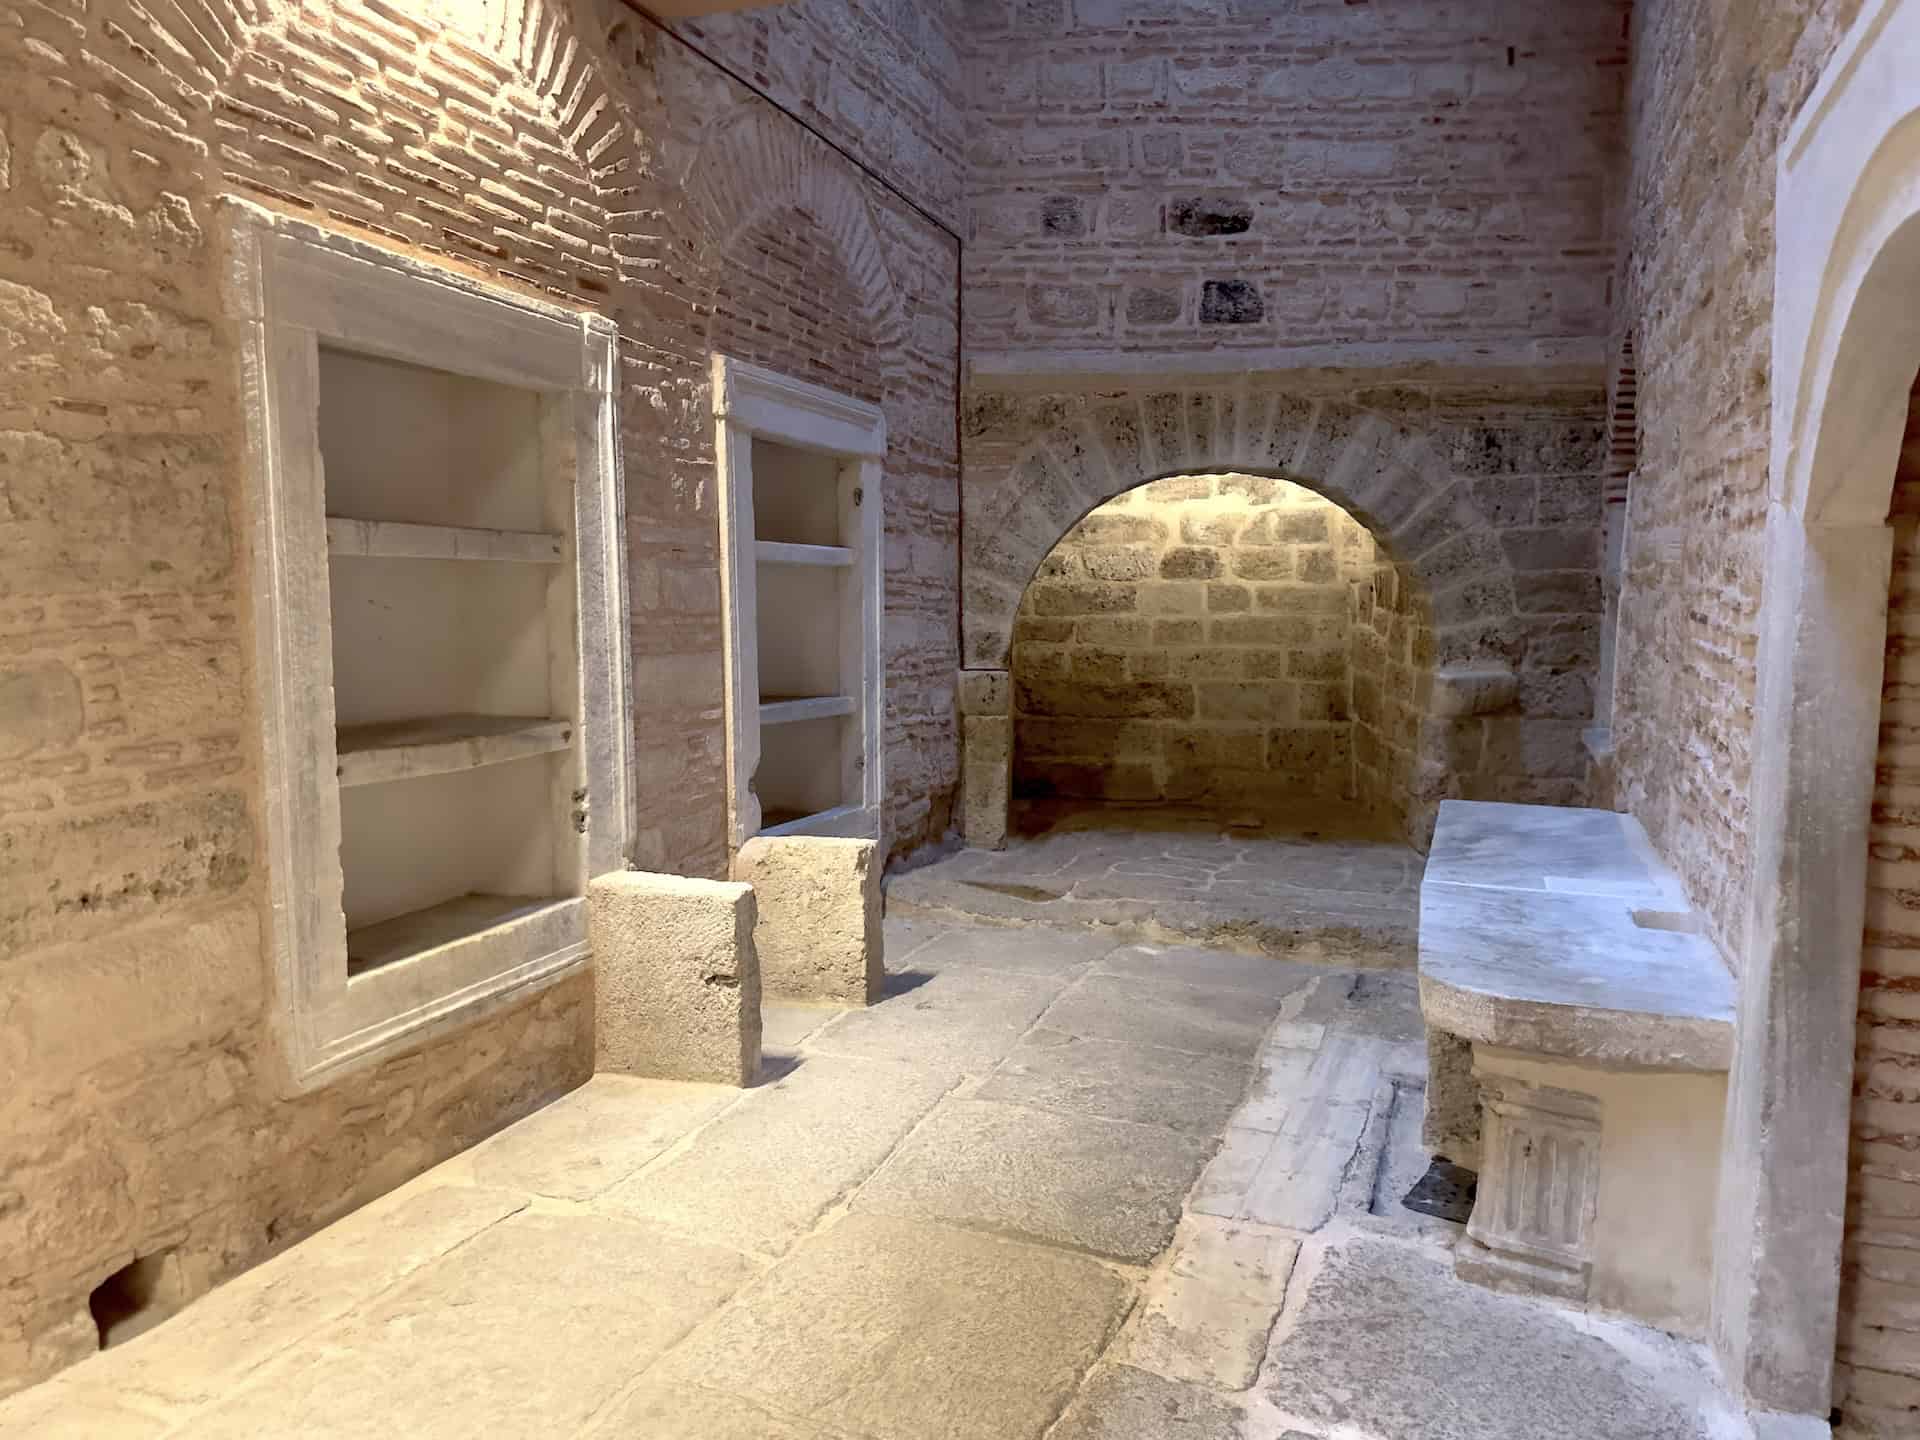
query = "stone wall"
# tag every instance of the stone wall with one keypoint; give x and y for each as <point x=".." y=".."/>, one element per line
<point x="1219" y="185"/>
<point x="571" y="150"/>
<point x="1879" y="1355"/>
<point x="1488" y="503"/>
<point x="1191" y="640"/>
<point x="1712" y="94"/>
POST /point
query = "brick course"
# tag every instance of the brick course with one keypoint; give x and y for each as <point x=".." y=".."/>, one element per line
<point x="1710" y="102"/>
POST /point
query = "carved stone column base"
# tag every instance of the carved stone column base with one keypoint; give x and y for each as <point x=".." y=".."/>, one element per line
<point x="1532" y="1225"/>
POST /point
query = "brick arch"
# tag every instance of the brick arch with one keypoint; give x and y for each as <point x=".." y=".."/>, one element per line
<point x="484" y="133"/>
<point x="1392" y="477"/>
<point x="755" y="168"/>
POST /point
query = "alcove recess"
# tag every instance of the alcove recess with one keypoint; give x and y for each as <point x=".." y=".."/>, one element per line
<point x="809" y="654"/>
<point x="449" y="504"/>
<point x="801" y="525"/>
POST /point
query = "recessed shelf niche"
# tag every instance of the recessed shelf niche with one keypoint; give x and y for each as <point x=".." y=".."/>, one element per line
<point x="452" y="615"/>
<point x="439" y="620"/>
<point x="801" y="522"/>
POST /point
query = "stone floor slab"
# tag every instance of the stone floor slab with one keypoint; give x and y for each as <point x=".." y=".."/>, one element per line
<point x="525" y="1331"/>
<point x="66" y="1408"/>
<point x="1206" y="1317"/>
<point x="596" y="1136"/>
<point x="763" y="1173"/>
<point x="904" y="936"/>
<point x="1101" y="1186"/>
<point x="1119" y="1402"/>
<point x="898" y="1330"/>
<point x="673" y="1411"/>
<point x="1023" y="950"/>
<point x="1193" y="965"/>
<point x="1390" y="1344"/>
<point x="1200" y="1019"/>
<point x="961" y="1021"/>
<point x="1116" y="1081"/>
<point x="1318" y="886"/>
<point x="783" y="1027"/>
<point x="225" y="1336"/>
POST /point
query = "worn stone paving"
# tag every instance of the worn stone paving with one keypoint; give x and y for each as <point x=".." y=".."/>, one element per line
<point x="1317" y="886"/>
<point x="1053" y="1185"/>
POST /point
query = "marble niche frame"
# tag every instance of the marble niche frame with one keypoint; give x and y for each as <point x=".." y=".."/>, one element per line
<point x="288" y="285"/>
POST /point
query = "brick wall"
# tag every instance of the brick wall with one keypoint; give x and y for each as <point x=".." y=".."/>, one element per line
<point x="1191" y="184"/>
<point x="1713" y="92"/>
<point x="1191" y="640"/>
<point x="567" y="149"/>
<point x="1879" y="1380"/>
<point x="883" y="79"/>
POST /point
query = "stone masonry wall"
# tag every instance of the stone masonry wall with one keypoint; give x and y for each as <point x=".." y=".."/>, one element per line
<point x="1713" y="92"/>
<point x="564" y="148"/>
<point x="1217" y="184"/>
<point x="1191" y="640"/>
<point x="1879" y="1353"/>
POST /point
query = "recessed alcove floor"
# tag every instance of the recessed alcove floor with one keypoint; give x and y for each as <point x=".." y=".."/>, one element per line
<point x="1054" y="1184"/>
<point x="1315" y="881"/>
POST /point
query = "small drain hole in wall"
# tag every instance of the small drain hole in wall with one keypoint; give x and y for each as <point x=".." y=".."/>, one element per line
<point x="135" y="1298"/>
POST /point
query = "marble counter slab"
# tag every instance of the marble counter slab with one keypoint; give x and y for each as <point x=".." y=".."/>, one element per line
<point x="1560" y="931"/>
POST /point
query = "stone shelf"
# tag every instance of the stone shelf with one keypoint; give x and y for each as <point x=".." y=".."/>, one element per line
<point x="390" y="540"/>
<point x="777" y="552"/>
<point x="414" y="934"/>
<point x="442" y="744"/>
<point x="787" y="711"/>
<point x="844" y="820"/>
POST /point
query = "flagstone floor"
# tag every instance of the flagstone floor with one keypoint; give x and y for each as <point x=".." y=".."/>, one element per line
<point x="1055" y="1184"/>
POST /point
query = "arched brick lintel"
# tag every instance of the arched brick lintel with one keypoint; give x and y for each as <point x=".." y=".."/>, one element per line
<point x="241" y="97"/>
<point x="755" y="167"/>
<point x="1396" y="479"/>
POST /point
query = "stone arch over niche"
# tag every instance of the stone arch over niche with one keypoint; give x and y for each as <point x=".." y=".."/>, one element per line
<point x="1513" y="619"/>
<point x="1225" y="640"/>
<point x="766" y="195"/>
<point x="756" y="172"/>
<point x="1846" y="345"/>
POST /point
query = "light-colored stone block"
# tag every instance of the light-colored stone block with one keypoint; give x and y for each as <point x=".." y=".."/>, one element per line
<point x="818" y="935"/>
<point x="986" y="779"/>
<point x="676" y="979"/>
<point x="1474" y="692"/>
<point x="985" y="692"/>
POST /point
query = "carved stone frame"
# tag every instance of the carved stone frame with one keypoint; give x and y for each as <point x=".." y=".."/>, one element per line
<point x="1846" y="342"/>
<point x="750" y="400"/>
<point x="289" y="286"/>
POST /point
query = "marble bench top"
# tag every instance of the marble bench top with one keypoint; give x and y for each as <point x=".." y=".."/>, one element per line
<point x="1560" y="932"/>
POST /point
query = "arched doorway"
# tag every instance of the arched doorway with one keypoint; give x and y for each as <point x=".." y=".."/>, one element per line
<point x="1503" y="685"/>
<point x="1235" y="645"/>
<point x="1846" y="345"/>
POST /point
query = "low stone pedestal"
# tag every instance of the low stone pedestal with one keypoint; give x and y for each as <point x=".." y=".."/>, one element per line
<point x="818" y="935"/>
<point x="676" y="978"/>
<point x="1597" y="1185"/>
